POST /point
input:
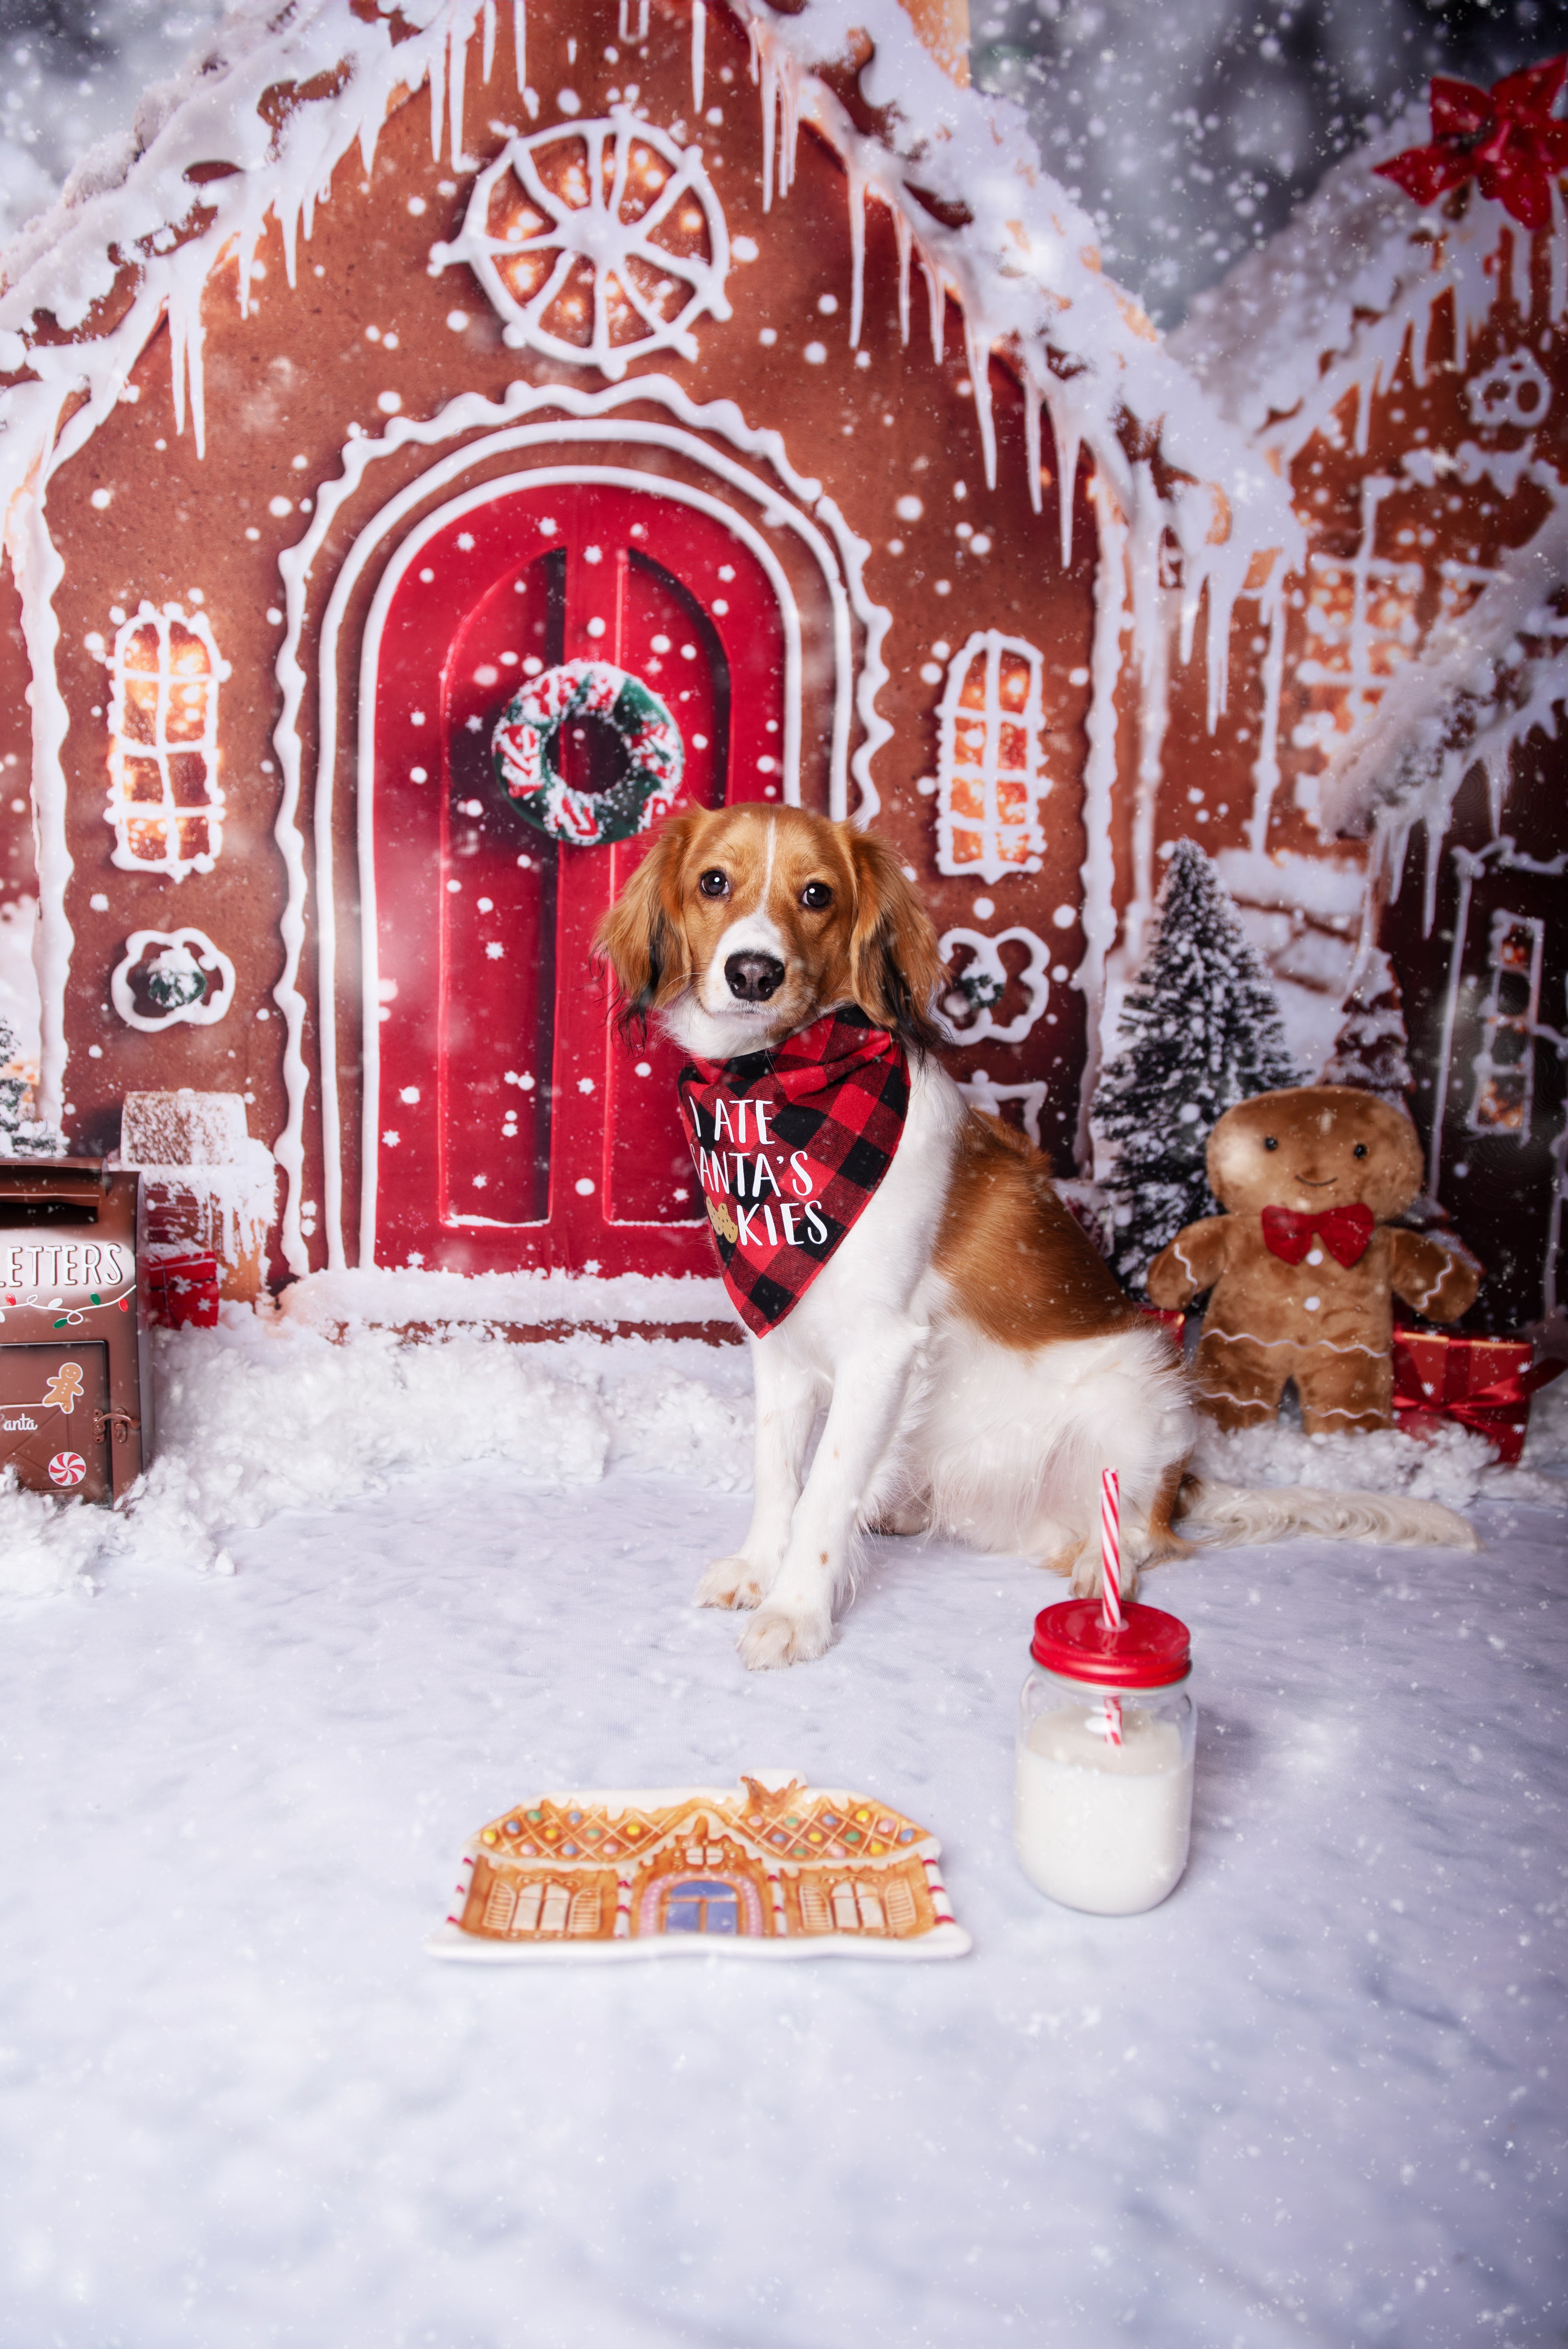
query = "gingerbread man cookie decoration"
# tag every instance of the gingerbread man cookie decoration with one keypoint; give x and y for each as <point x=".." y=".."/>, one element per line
<point x="1304" y="1267"/>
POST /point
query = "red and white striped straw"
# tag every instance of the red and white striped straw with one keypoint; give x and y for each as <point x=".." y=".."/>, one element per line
<point x="1111" y="1582"/>
<point x="1110" y="1549"/>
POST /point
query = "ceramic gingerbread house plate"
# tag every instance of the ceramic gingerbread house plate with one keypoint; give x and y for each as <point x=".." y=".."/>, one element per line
<point x="770" y="1869"/>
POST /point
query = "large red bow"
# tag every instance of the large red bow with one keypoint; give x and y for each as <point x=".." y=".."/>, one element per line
<point x="1345" y="1232"/>
<point x="1506" y="138"/>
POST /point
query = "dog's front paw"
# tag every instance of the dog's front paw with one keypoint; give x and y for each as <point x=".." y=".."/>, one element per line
<point x="729" y="1582"/>
<point x="773" y="1638"/>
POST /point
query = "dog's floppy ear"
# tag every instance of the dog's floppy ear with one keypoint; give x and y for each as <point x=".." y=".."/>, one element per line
<point x="642" y="939"/>
<point x="895" y="967"/>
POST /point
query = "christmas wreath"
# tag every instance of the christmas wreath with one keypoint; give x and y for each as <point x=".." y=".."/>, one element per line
<point x="526" y="763"/>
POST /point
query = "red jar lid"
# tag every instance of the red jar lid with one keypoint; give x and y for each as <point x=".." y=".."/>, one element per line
<point x="1153" y="1649"/>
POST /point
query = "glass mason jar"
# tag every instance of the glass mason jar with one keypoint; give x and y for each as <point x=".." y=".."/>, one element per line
<point x="1103" y="1794"/>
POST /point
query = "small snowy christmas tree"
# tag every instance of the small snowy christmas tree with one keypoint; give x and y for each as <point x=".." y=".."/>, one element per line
<point x="1200" y="1031"/>
<point x="20" y="1136"/>
<point x="1369" y="1050"/>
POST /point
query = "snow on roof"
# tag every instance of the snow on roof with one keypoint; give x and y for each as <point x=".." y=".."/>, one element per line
<point x="1483" y="683"/>
<point x="1019" y="257"/>
<point x="1328" y="306"/>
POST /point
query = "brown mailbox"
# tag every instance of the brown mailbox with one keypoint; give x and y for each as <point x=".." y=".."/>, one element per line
<point x="75" y="1405"/>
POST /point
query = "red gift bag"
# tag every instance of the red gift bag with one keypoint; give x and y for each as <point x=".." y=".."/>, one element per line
<point x="1484" y="1383"/>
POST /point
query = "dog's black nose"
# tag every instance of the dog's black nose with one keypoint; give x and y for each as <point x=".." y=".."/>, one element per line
<point x="754" y="977"/>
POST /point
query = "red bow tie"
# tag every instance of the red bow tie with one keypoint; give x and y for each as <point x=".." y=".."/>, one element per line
<point x="1345" y="1232"/>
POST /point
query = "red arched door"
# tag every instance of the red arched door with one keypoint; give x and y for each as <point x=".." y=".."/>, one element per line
<point x="511" y="1129"/>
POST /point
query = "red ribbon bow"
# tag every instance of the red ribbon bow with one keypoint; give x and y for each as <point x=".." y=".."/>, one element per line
<point x="1345" y="1232"/>
<point x="1506" y="138"/>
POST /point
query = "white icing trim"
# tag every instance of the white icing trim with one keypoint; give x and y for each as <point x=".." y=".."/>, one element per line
<point x="980" y="1091"/>
<point x="596" y="234"/>
<point x="39" y="569"/>
<point x="203" y="1013"/>
<point x="999" y="841"/>
<point x="472" y="413"/>
<point x="130" y="815"/>
<point x="1098" y="868"/>
<point x="989" y="964"/>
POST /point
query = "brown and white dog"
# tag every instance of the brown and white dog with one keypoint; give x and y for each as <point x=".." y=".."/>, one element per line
<point x="979" y="1362"/>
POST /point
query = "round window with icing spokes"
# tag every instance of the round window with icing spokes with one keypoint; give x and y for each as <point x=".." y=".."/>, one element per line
<point x="597" y="242"/>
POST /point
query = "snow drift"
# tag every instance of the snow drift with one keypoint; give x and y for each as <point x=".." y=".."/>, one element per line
<point x="265" y="1414"/>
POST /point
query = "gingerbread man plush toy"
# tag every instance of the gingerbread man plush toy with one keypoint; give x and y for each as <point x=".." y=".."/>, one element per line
<point x="1304" y="1267"/>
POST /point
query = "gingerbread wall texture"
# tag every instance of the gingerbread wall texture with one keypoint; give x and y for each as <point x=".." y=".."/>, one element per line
<point x="421" y="352"/>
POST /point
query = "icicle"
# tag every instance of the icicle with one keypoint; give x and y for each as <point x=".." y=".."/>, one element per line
<point x="790" y="122"/>
<point x="903" y="238"/>
<point x="936" y="302"/>
<point x="520" y="41"/>
<point x="489" y="38"/>
<point x="437" y="95"/>
<point x="1032" y="436"/>
<point x="977" y="353"/>
<point x="187" y="280"/>
<point x="1521" y="253"/>
<point x="1153" y="717"/>
<point x="1098" y="868"/>
<point x="1495" y="761"/>
<point x="699" y="49"/>
<point x="456" y="71"/>
<point x="856" y="179"/>
<point x="1266" y="767"/>
<point x="762" y="68"/>
<point x="1068" y="441"/>
<point x="1223" y="579"/>
<point x="1365" y="391"/>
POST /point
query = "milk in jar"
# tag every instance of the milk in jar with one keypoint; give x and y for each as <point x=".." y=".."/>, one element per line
<point x="1103" y="1788"/>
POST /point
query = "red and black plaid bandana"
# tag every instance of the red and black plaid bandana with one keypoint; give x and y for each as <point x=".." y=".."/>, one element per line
<point x="790" y="1146"/>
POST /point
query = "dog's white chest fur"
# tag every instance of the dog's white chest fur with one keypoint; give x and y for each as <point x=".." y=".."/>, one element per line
<point x="928" y="1421"/>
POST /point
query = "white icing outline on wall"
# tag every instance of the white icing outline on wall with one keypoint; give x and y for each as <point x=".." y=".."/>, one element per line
<point x="596" y="233"/>
<point x="472" y="413"/>
<point x="979" y="1091"/>
<point x="994" y="835"/>
<point x="1097" y="871"/>
<point x="125" y="811"/>
<point x="990" y="965"/>
<point x="210" y="960"/>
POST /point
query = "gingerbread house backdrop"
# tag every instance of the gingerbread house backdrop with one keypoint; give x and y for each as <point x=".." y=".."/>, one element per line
<point x="410" y="352"/>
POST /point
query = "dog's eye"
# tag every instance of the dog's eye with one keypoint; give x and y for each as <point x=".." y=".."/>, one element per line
<point x="1271" y="1141"/>
<point x="1359" y="1151"/>
<point x="816" y="894"/>
<point x="715" y="883"/>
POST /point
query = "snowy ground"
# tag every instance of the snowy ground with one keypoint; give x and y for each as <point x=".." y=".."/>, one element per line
<point x="1317" y="2097"/>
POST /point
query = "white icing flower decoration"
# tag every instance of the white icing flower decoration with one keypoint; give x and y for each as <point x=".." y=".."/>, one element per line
<point x="598" y="242"/>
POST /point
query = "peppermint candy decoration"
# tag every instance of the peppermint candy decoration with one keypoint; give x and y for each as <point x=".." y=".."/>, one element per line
<point x="67" y="1468"/>
<point x="526" y="765"/>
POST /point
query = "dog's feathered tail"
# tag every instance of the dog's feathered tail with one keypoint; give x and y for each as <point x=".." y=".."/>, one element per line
<point x="1228" y="1513"/>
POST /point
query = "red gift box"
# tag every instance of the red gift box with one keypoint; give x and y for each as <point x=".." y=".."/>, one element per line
<point x="182" y="1292"/>
<point x="1484" y="1383"/>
